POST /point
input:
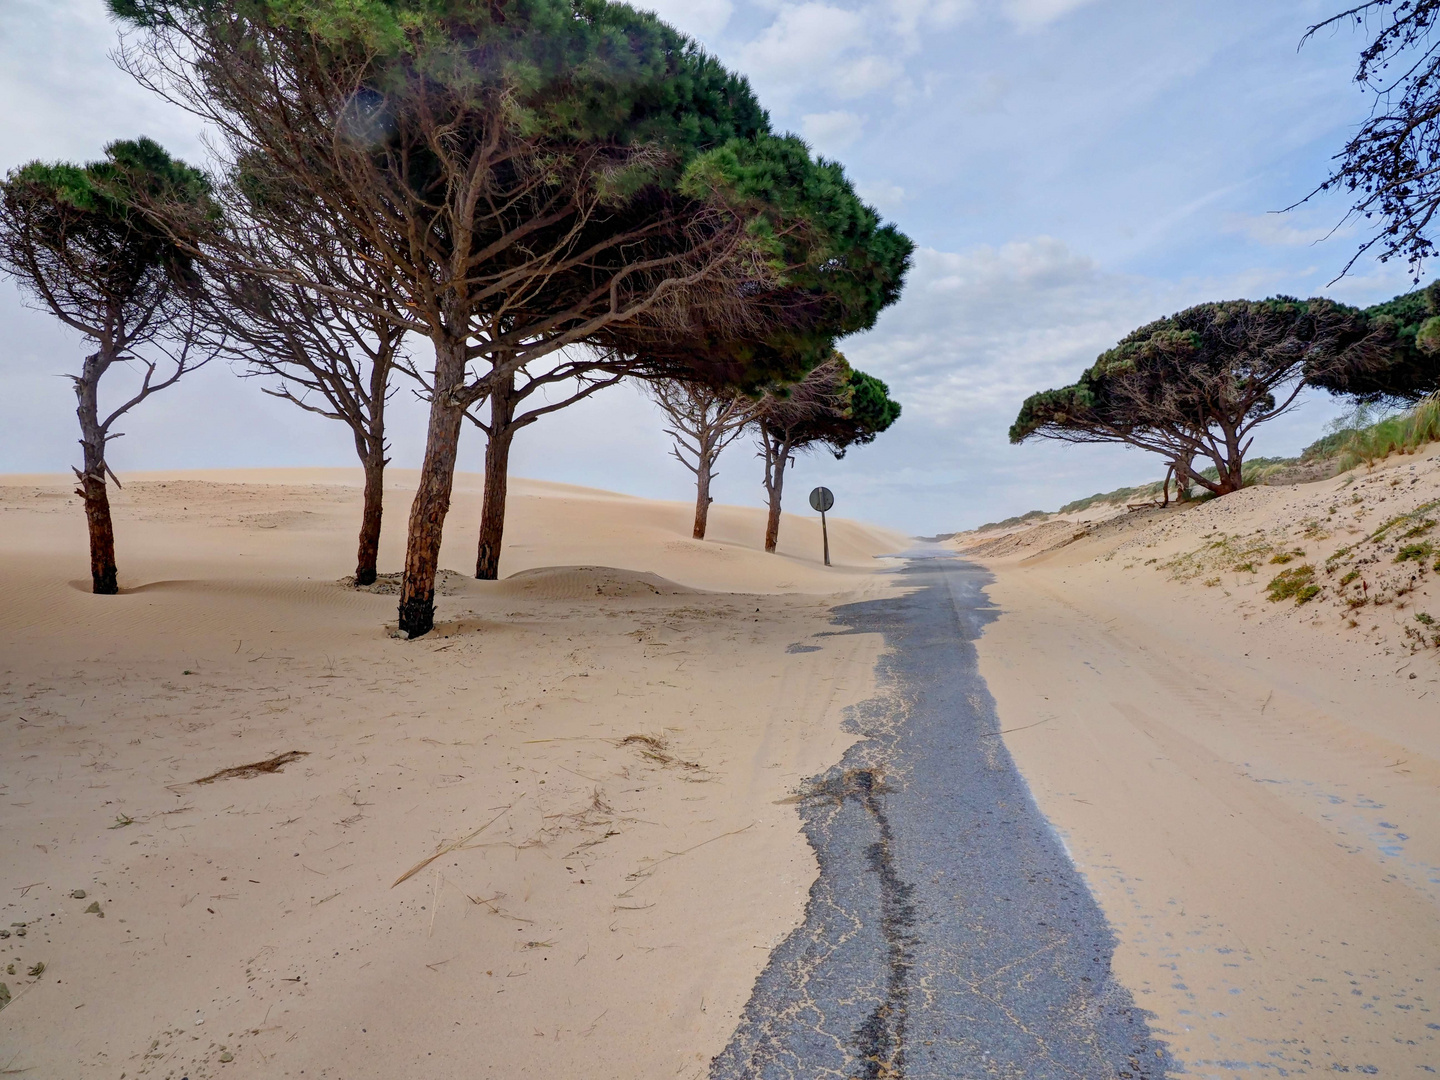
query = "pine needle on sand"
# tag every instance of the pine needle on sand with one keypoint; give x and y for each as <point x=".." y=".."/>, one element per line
<point x="445" y="849"/>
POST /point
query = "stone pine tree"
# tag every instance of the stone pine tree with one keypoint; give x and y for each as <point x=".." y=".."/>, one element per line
<point x="78" y="246"/>
<point x="833" y="408"/>
<point x="832" y="267"/>
<point x="535" y="174"/>
<point x="330" y="349"/>
<point x="1198" y="383"/>
<point x="703" y="421"/>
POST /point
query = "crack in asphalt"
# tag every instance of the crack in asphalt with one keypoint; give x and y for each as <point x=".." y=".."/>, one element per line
<point x="948" y="935"/>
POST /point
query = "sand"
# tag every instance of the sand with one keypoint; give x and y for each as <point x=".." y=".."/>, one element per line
<point x="1251" y="789"/>
<point x="586" y="774"/>
<point x="601" y="747"/>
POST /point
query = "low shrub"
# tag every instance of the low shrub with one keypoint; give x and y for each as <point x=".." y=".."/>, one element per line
<point x="1415" y="552"/>
<point x="1297" y="583"/>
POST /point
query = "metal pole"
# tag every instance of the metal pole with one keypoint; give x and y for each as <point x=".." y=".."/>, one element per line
<point x="825" y="531"/>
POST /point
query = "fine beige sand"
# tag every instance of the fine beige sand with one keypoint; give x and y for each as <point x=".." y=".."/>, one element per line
<point x="601" y="748"/>
<point x="1251" y="789"/>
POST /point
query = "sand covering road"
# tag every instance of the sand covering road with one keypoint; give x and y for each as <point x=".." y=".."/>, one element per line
<point x="601" y="748"/>
<point x="1252" y="788"/>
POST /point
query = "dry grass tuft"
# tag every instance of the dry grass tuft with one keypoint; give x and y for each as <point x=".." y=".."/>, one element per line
<point x="656" y="749"/>
<point x="255" y="768"/>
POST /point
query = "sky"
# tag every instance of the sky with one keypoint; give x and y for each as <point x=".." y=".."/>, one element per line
<point x="1068" y="170"/>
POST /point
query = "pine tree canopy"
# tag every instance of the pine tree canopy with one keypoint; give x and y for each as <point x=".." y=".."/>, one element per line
<point x="73" y="235"/>
<point x="597" y="98"/>
<point x="1198" y="382"/>
<point x="1410" y="368"/>
<point x="834" y="406"/>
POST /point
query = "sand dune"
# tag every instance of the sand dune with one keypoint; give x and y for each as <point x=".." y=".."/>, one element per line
<point x="1251" y="788"/>
<point x="602" y="745"/>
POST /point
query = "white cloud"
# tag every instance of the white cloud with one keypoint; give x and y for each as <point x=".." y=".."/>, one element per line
<point x="702" y="19"/>
<point x="814" y="45"/>
<point x="1034" y="14"/>
<point x="882" y="194"/>
<point x="978" y="331"/>
<point x="831" y="132"/>
<point x="1281" y="230"/>
<point x="910" y="17"/>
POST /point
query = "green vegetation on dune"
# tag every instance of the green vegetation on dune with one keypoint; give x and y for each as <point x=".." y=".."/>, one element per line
<point x="1403" y="433"/>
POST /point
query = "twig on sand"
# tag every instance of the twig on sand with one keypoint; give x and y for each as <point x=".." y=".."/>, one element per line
<point x="646" y="871"/>
<point x="445" y="849"/>
<point x="255" y="768"/>
<point x="1008" y="730"/>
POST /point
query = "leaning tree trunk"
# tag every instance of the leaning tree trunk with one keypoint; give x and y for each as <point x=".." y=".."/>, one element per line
<point x="432" y="497"/>
<point x="497" y="484"/>
<point x="775" y="486"/>
<point x="103" y="575"/>
<point x="369" y="547"/>
<point x="1230" y="471"/>
<point x="371" y="444"/>
<point x="705" y="459"/>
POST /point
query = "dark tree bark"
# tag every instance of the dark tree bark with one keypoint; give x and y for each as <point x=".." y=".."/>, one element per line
<point x="703" y="498"/>
<point x="497" y="482"/>
<point x="370" y="442"/>
<point x="432" y="497"/>
<point x="777" y="457"/>
<point x="368" y="552"/>
<point x="92" y="487"/>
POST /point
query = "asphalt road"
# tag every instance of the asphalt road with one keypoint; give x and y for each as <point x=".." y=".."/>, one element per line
<point x="948" y="934"/>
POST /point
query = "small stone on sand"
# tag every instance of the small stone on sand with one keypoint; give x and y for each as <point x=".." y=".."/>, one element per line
<point x="77" y="894"/>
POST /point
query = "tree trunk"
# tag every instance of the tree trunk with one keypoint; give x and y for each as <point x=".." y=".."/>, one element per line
<point x="103" y="575"/>
<point x="369" y="548"/>
<point x="775" y="486"/>
<point x="432" y="497"/>
<point x="497" y="484"/>
<point x="371" y="444"/>
<point x="1231" y="478"/>
<point x="703" y="476"/>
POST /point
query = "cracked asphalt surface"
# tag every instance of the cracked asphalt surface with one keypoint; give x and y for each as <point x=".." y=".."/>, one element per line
<point x="948" y="935"/>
